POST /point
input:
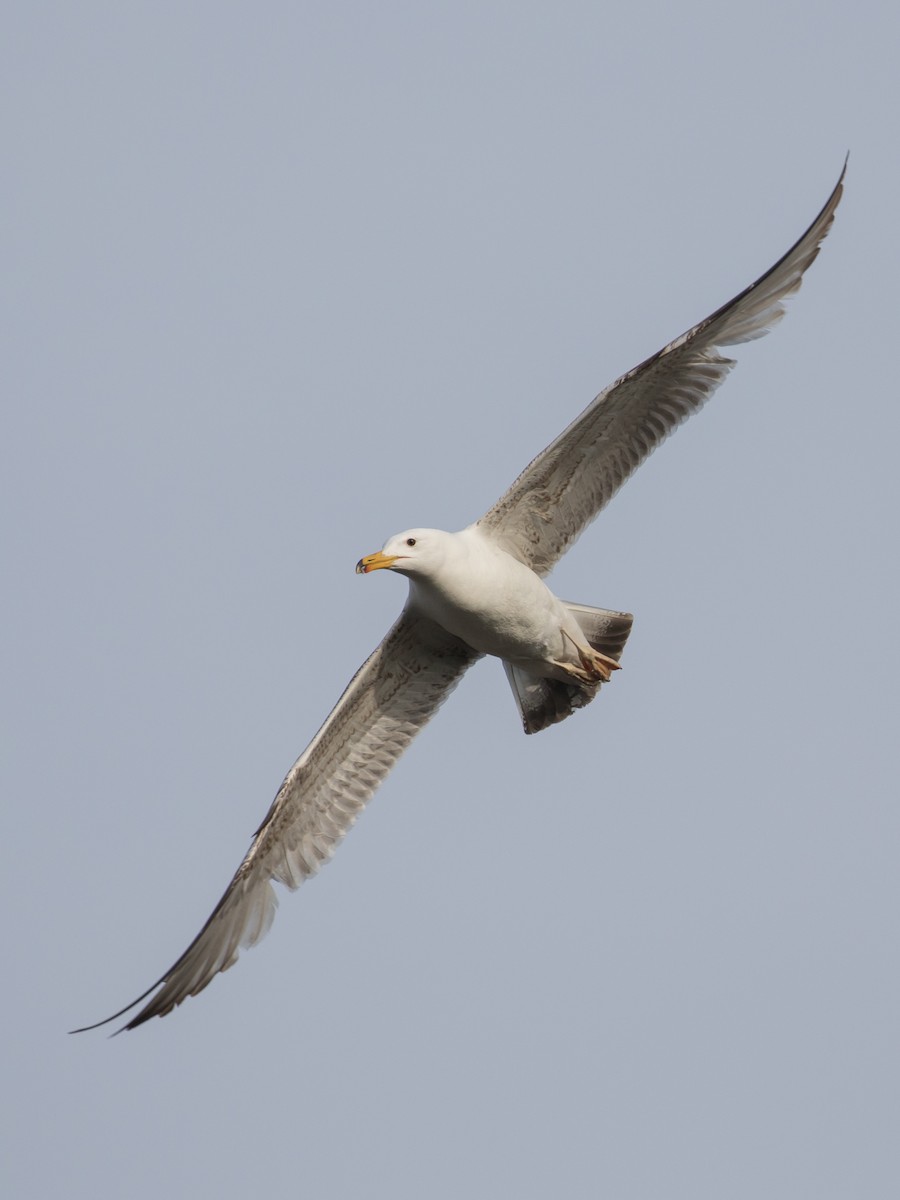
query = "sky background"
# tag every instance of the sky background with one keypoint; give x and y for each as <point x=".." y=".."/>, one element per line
<point x="283" y="279"/>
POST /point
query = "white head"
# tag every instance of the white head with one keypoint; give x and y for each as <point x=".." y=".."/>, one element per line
<point x="414" y="552"/>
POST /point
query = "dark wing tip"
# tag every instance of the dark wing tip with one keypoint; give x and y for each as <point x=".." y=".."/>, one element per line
<point x="134" y="1022"/>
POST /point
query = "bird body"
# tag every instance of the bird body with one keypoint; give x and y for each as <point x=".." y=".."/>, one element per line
<point x="474" y="589"/>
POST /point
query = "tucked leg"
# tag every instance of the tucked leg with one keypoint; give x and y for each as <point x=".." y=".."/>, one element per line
<point x="594" y="664"/>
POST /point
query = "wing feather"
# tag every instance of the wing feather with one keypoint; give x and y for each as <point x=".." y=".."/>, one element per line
<point x="561" y="491"/>
<point x="392" y="696"/>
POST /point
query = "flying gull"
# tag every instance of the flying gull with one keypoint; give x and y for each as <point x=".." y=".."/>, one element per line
<point x="477" y="592"/>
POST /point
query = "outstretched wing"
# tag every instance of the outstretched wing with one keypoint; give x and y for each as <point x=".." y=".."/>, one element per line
<point x="392" y="696"/>
<point x="567" y="485"/>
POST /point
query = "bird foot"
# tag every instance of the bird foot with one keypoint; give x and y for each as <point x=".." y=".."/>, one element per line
<point x="600" y="666"/>
<point x="595" y="666"/>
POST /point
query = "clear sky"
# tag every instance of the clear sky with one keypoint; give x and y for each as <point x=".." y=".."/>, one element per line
<point x="283" y="279"/>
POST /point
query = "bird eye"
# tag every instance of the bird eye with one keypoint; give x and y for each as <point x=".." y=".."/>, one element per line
<point x="410" y="541"/>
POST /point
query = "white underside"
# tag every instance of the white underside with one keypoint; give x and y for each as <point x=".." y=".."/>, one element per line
<point x="498" y="606"/>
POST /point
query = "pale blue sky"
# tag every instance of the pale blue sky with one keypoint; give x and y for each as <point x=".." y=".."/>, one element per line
<point x="283" y="279"/>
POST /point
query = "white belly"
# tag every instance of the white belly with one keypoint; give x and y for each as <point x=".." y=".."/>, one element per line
<point x="498" y="606"/>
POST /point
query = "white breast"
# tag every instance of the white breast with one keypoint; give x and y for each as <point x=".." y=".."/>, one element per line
<point x="492" y="601"/>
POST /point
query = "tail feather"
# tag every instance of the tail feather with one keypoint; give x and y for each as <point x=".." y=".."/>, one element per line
<point x="544" y="702"/>
<point x="605" y="630"/>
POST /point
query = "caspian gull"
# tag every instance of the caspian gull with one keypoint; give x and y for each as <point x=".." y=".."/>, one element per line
<point x="476" y="592"/>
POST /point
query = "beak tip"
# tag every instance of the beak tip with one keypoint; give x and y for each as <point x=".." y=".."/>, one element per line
<point x="375" y="562"/>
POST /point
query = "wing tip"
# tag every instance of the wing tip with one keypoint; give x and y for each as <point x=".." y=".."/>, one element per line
<point x="143" y="1015"/>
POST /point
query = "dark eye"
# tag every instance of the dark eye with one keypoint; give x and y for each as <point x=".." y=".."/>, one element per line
<point x="410" y="541"/>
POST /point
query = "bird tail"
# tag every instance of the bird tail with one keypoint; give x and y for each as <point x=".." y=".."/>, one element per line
<point x="543" y="702"/>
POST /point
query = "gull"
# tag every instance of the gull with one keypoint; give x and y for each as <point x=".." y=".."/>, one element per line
<point x="479" y="592"/>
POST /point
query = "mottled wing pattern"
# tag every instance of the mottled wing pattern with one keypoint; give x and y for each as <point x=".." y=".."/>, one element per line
<point x="392" y="696"/>
<point x="567" y="485"/>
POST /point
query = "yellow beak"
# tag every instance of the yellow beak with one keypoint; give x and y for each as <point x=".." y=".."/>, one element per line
<point x="374" y="562"/>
